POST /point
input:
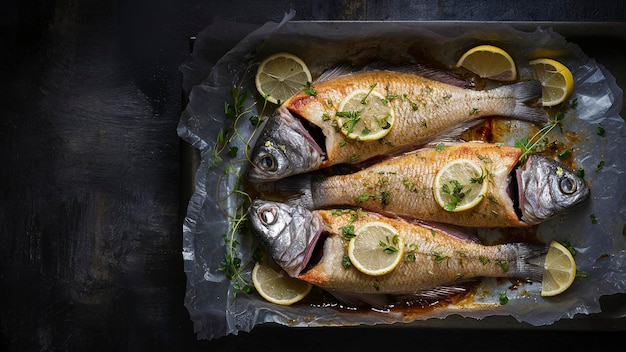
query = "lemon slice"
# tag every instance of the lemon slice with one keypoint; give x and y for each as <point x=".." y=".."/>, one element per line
<point x="460" y="185"/>
<point x="556" y="79"/>
<point x="278" y="287"/>
<point x="559" y="270"/>
<point x="365" y="115"/>
<point x="376" y="249"/>
<point x="490" y="62"/>
<point x="280" y="76"/>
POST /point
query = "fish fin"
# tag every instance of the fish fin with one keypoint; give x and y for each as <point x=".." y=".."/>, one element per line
<point x="381" y="65"/>
<point x="334" y="72"/>
<point x="356" y="300"/>
<point x="433" y="294"/>
<point x="297" y="190"/>
<point x="527" y="96"/>
<point x="457" y="232"/>
<point x="529" y="260"/>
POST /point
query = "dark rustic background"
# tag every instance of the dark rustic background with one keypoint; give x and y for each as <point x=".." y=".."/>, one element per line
<point x="94" y="179"/>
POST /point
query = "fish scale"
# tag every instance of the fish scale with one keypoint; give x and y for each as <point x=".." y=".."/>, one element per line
<point x="425" y="109"/>
<point x="433" y="259"/>
<point x="516" y="195"/>
<point x="404" y="185"/>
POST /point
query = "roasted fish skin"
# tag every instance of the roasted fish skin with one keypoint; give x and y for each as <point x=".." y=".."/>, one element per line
<point x="425" y="109"/>
<point x="403" y="185"/>
<point x="433" y="258"/>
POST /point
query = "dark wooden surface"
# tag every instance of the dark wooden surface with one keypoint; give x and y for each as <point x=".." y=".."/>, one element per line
<point x="93" y="188"/>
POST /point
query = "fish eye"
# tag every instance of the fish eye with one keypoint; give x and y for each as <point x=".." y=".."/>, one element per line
<point x="268" y="163"/>
<point x="567" y="185"/>
<point x="268" y="216"/>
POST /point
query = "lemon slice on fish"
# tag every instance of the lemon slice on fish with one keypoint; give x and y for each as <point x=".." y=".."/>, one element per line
<point x="488" y="61"/>
<point x="460" y="185"/>
<point x="559" y="270"/>
<point x="278" y="287"/>
<point x="365" y="115"/>
<point x="556" y="79"/>
<point x="376" y="248"/>
<point x="280" y="76"/>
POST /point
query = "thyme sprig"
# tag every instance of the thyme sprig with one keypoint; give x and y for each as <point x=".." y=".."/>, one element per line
<point x="529" y="145"/>
<point x="231" y="199"/>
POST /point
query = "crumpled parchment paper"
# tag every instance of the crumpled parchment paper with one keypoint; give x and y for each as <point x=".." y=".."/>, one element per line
<point x="221" y="55"/>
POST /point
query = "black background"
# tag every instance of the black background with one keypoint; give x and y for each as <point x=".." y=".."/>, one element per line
<point x="95" y="183"/>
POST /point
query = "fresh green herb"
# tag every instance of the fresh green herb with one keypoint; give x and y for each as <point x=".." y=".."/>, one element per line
<point x="601" y="131"/>
<point x="503" y="264"/>
<point x="569" y="247"/>
<point x="503" y="298"/>
<point x="309" y="89"/>
<point x="346" y="262"/>
<point x="600" y="165"/>
<point x="529" y="145"/>
<point x="440" y="146"/>
<point x="582" y="274"/>
<point x="389" y="246"/>
<point x="352" y="118"/>
<point x="580" y="172"/>
<point x="232" y="152"/>
<point x="480" y="178"/>
<point x="563" y="154"/>
<point x="438" y="256"/>
<point x="233" y="201"/>
<point x="384" y="198"/>
<point x="457" y="193"/>
<point x="484" y="260"/>
<point x="325" y="117"/>
<point x="594" y="219"/>
<point x="484" y="159"/>
<point x="474" y="111"/>
<point x="364" y="100"/>
<point x="409" y="258"/>
<point x="363" y="197"/>
<point x="343" y="143"/>
<point x="492" y="198"/>
<point x="347" y="232"/>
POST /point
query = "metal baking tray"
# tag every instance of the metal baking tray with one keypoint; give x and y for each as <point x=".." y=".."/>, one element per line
<point x="592" y="38"/>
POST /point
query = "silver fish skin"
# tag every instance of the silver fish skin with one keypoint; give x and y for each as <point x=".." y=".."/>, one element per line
<point x="437" y="260"/>
<point x="425" y="109"/>
<point x="547" y="188"/>
<point x="403" y="186"/>
<point x="286" y="232"/>
<point x="284" y="147"/>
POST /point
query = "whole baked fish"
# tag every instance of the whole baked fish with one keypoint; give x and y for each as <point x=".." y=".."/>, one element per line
<point x="302" y="135"/>
<point x="309" y="245"/>
<point x="516" y="195"/>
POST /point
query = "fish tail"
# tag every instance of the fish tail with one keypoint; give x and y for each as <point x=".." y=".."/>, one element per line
<point x="527" y="261"/>
<point x="297" y="189"/>
<point x="523" y="93"/>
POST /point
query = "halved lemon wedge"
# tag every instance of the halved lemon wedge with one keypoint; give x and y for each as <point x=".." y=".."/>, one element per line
<point x="488" y="61"/>
<point x="280" y="76"/>
<point x="559" y="270"/>
<point x="376" y="249"/>
<point x="278" y="287"/>
<point x="365" y="115"/>
<point x="460" y="185"/>
<point x="556" y="79"/>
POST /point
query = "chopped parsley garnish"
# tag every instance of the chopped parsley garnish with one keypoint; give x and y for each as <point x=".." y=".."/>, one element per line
<point x="389" y="246"/>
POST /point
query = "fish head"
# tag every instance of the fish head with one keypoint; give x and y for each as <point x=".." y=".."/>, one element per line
<point x="289" y="233"/>
<point x="547" y="188"/>
<point x="284" y="148"/>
